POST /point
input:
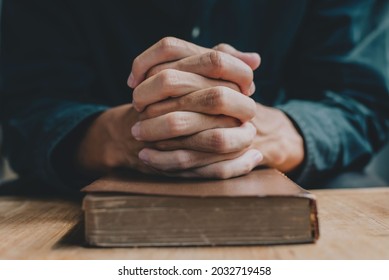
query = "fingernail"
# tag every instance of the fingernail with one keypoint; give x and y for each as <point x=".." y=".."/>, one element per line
<point x="131" y="81"/>
<point x="258" y="157"/>
<point x="143" y="156"/>
<point x="135" y="131"/>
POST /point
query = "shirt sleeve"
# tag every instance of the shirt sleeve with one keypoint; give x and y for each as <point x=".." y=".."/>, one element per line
<point x="47" y="84"/>
<point x="337" y="83"/>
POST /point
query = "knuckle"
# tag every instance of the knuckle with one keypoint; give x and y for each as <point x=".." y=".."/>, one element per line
<point x="215" y="98"/>
<point x="168" y="78"/>
<point x="217" y="141"/>
<point x="221" y="47"/>
<point x="176" y="124"/>
<point x="216" y="61"/>
<point x="168" y="44"/>
<point x="215" y="57"/>
<point x="183" y="160"/>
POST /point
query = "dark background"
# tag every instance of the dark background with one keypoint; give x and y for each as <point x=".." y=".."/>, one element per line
<point x="379" y="165"/>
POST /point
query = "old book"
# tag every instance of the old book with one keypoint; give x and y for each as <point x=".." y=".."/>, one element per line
<point x="263" y="207"/>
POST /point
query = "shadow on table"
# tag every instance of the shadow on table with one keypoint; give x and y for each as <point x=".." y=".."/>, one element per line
<point x="74" y="237"/>
<point x="32" y="188"/>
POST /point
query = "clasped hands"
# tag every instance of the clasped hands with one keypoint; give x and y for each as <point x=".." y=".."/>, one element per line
<point x="191" y="116"/>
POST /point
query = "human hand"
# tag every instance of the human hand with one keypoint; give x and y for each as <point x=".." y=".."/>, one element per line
<point x="223" y="62"/>
<point x="109" y="144"/>
<point x="278" y="139"/>
<point x="180" y="138"/>
<point x="206" y="128"/>
<point x="276" y="136"/>
<point x="273" y="135"/>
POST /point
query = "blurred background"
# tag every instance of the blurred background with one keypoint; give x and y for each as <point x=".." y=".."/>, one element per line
<point x="1" y="159"/>
<point x="379" y="166"/>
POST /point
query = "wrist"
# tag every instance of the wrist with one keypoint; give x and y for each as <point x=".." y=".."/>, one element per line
<point x="64" y="154"/>
<point x="108" y="144"/>
<point x="278" y="139"/>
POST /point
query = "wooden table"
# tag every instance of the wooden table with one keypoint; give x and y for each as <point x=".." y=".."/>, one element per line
<point x="354" y="224"/>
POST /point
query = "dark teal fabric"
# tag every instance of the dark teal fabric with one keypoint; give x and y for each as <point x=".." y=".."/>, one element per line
<point x="325" y="63"/>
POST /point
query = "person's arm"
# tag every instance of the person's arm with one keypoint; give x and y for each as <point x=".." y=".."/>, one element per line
<point x="46" y="84"/>
<point x="337" y="83"/>
<point x="206" y="77"/>
<point x="336" y="86"/>
<point x="55" y="128"/>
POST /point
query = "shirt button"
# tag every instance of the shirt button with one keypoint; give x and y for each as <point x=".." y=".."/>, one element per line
<point x="195" y="32"/>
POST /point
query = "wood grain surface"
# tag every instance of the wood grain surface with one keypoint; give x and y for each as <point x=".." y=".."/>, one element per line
<point x="354" y="224"/>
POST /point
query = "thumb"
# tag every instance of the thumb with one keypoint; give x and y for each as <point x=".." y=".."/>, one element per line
<point x="251" y="59"/>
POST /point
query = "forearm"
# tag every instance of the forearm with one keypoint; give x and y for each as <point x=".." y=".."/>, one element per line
<point x="33" y="133"/>
<point x="336" y="85"/>
<point x="335" y="138"/>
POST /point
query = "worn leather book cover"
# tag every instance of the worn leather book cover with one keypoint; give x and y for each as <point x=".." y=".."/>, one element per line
<point x="263" y="207"/>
